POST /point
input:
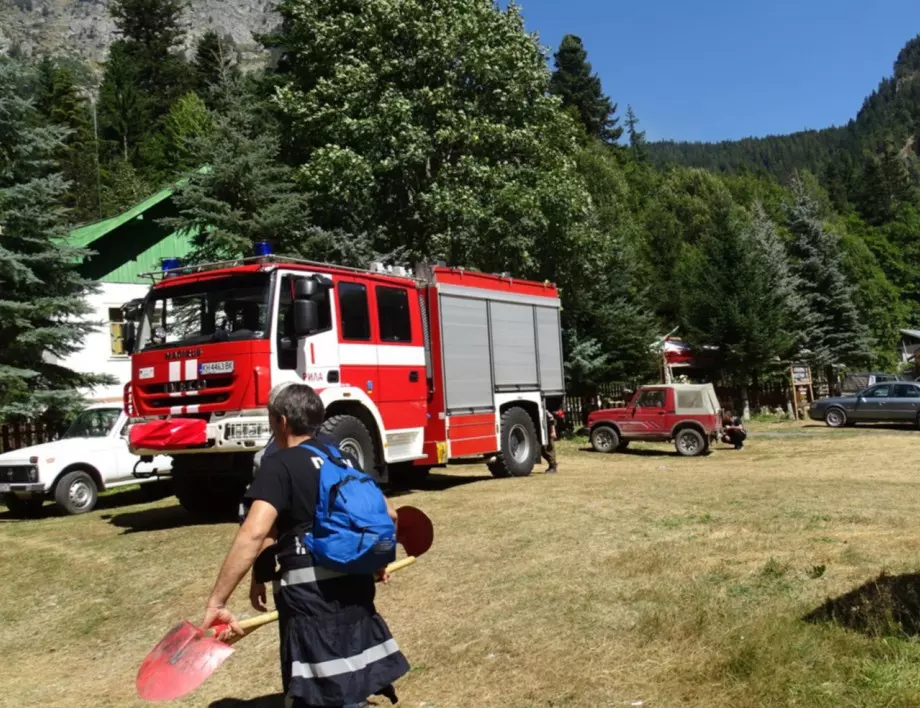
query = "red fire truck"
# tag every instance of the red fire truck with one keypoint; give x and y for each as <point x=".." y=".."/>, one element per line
<point x="415" y="370"/>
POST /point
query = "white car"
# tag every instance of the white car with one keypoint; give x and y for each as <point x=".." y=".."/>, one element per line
<point x="91" y="456"/>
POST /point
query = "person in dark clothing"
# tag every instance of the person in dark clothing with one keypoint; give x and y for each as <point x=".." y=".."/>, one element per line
<point x="335" y="649"/>
<point x="733" y="432"/>
<point x="548" y="452"/>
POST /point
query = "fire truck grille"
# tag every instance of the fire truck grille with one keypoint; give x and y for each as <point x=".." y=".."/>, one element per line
<point x="187" y="386"/>
<point x="202" y="400"/>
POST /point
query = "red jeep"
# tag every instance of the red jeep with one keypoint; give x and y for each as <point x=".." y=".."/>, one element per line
<point x="688" y="414"/>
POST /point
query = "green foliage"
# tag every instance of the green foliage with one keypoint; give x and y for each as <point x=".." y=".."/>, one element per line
<point x="186" y="127"/>
<point x="215" y="62"/>
<point x="246" y="194"/>
<point x="838" y="335"/>
<point x="467" y="159"/>
<point x="581" y="91"/>
<point x="741" y="297"/>
<point x="62" y="101"/>
<point x="42" y="298"/>
<point x="637" y="142"/>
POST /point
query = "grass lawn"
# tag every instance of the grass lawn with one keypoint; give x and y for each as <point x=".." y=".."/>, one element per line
<point x="632" y="579"/>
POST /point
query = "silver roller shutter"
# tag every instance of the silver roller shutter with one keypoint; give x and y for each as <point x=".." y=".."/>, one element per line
<point x="549" y="346"/>
<point x="467" y="364"/>
<point x="513" y="345"/>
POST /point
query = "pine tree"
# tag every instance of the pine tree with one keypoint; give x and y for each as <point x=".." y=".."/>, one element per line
<point x="124" y="110"/>
<point x="152" y="33"/>
<point x="740" y="297"/>
<point x="62" y="102"/>
<point x="246" y="194"/>
<point x="836" y="334"/>
<point x="43" y="305"/>
<point x="185" y="129"/>
<point x="581" y="91"/>
<point x="215" y="61"/>
<point x="636" y="137"/>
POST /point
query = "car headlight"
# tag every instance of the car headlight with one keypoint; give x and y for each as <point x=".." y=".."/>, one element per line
<point x="33" y="474"/>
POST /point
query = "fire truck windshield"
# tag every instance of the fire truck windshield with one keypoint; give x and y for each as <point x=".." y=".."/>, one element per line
<point x="233" y="308"/>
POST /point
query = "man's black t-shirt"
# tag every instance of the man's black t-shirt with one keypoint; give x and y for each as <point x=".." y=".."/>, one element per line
<point x="289" y="481"/>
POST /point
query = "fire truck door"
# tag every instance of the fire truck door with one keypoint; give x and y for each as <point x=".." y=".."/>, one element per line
<point x="401" y="357"/>
<point x="357" y="348"/>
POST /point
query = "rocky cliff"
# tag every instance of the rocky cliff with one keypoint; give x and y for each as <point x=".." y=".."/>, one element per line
<point x="83" y="29"/>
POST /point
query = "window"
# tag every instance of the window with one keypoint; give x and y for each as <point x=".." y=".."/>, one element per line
<point x="93" y="423"/>
<point x="651" y="399"/>
<point x="287" y="339"/>
<point x="117" y="331"/>
<point x="393" y="314"/>
<point x="356" y="321"/>
<point x="880" y="392"/>
<point x="692" y="399"/>
<point x="906" y="391"/>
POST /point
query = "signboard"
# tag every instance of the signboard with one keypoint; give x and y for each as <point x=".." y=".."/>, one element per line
<point x="802" y="392"/>
<point x="801" y="375"/>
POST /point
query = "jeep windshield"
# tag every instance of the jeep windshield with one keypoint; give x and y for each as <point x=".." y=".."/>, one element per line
<point x="233" y="308"/>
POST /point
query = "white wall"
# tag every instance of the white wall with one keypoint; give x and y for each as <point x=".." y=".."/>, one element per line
<point x="96" y="356"/>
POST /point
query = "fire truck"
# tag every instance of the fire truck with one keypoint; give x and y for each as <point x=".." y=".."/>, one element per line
<point x="416" y="370"/>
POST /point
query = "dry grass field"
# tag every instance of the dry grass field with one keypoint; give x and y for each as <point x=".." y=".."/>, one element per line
<point x="635" y="579"/>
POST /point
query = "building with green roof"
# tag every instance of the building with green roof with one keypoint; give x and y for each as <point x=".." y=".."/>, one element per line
<point x="125" y="246"/>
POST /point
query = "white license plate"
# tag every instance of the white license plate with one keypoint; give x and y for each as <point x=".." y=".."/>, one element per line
<point x="4" y="487"/>
<point x="215" y="367"/>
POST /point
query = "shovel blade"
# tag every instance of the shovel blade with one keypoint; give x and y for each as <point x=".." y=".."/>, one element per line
<point x="414" y="530"/>
<point x="180" y="663"/>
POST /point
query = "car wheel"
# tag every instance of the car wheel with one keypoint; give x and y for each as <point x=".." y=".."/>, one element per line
<point x="690" y="442"/>
<point x="835" y="418"/>
<point x="604" y="438"/>
<point x="76" y="492"/>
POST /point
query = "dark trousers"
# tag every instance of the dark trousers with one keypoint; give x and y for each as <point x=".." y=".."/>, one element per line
<point x="549" y="454"/>
<point x="734" y="437"/>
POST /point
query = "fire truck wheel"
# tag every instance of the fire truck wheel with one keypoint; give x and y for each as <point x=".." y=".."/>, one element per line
<point x="353" y="439"/>
<point x="518" y="445"/>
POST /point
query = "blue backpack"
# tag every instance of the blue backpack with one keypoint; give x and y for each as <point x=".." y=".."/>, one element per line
<point x="352" y="530"/>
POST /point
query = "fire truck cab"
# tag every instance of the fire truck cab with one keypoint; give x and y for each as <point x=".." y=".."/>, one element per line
<point x="415" y="371"/>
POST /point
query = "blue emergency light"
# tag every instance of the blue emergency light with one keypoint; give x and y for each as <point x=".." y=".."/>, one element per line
<point x="262" y="249"/>
<point x="170" y="264"/>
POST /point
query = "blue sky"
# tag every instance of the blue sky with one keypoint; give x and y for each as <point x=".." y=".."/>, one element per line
<point x="725" y="69"/>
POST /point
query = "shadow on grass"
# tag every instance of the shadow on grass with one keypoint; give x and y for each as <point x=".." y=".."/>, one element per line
<point x="632" y="452"/>
<point x="276" y="700"/>
<point x="886" y="606"/>
<point x="434" y="483"/>
<point x="113" y="499"/>
<point x="161" y="519"/>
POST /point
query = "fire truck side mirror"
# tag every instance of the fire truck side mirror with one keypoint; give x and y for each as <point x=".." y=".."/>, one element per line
<point x="304" y="288"/>
<point x="306" y="317"/>
<point x="130" y="336"/>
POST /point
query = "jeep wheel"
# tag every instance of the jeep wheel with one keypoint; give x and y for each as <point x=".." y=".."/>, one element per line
<point x="690" y="442"/>
<point x="76" y="493"/>
<point x="835" y="418"/>
<point x="518" y="445"/>
<point x="29" y="508"/>
<point x="604" y="438"/>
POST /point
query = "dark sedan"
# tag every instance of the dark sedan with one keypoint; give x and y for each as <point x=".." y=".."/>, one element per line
<point x="886" y="402"/>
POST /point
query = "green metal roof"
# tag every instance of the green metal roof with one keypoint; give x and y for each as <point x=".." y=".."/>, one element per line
<point x="85" y="235"/>
<point x="132" y="243"/>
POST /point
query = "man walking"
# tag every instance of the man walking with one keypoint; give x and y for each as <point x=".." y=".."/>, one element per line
<point x="336" y="650"/>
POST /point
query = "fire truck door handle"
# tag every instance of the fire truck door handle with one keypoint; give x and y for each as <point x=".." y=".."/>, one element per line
<point x="413" y="376"/>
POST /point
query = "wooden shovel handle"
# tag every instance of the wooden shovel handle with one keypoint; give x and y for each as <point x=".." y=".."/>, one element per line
<point x="253" y="623"/>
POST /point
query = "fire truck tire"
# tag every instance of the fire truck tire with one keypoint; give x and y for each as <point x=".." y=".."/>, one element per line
<point x="518" y="444"/>
<point x="354" y="439"/>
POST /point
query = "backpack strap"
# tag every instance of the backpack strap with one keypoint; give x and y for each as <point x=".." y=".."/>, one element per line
<point x="332" y="453"/>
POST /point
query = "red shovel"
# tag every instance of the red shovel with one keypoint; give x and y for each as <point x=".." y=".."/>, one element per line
<point x="188" y="655"/>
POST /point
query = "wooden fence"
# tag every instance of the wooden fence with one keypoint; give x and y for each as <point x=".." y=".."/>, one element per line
<point x="14" y="436"/>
